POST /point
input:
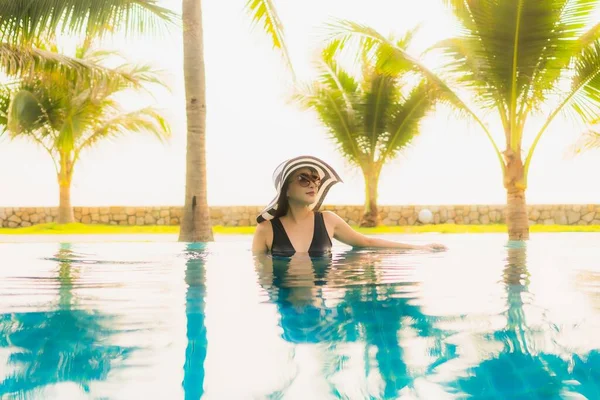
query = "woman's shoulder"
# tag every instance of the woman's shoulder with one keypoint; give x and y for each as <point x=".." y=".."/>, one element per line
<point x="264" y="227"/>
<point x="330" y="216"/>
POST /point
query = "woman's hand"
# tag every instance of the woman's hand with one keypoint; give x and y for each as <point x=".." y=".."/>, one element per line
<point x="434" y="247"/>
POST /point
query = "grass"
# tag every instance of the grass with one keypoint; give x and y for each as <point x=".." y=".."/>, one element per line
<point x="81" y="229"/>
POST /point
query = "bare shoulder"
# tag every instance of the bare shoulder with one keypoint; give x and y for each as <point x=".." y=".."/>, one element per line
<point x="331" y="217"/>
<point x="264" y="228"/>
<point x="263" y="236"/>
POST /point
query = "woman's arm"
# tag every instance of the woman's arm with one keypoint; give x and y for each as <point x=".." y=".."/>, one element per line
<point x="345" y="234"/>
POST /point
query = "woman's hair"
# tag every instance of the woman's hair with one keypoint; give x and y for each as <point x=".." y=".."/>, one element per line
<point x="283" y="204"/>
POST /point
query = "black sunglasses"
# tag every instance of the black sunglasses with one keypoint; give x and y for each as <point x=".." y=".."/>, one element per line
<point x="304" y="180"/>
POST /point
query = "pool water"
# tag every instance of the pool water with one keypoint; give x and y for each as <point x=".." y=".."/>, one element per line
<point x="487" y="319"/>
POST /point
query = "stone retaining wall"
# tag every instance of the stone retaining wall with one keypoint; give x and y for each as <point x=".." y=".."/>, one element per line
<point x="567" y="214"/>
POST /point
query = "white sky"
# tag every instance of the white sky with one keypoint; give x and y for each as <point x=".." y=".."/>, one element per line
<point x="252" y="127"/>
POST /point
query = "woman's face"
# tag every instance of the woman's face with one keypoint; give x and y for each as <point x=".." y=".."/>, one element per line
<point x="303" y="187"/>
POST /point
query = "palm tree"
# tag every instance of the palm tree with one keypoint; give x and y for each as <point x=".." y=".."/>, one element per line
<point x="517" y="57"/>
<point x="69" y="115"/>
<point x="371" y="120"/>
<point x="195" y="222"/>
<point x="24" y="22"/>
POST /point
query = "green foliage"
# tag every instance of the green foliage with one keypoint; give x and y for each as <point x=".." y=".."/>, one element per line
<point x="24" y="21"/>
<point x="372" y="117"/>
<point x="264" y="12"/>
<point x="66" y="115"/>
<point x="515" y="57"/>
<point x="26" y="25"/>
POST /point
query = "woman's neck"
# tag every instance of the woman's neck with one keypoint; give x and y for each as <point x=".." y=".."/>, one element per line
<point x="298" y="213"/>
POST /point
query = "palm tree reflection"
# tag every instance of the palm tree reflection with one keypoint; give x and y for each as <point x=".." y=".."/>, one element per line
<point x="65" y="344"/>
<point x="320" y="301"/>
<point x="519" y="370"/>
<point x="195" y="352"/>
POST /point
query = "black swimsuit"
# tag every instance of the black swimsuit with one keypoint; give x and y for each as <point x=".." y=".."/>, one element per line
<point x="282" y="246"/>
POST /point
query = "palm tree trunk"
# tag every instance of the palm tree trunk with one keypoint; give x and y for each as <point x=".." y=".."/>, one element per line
<point x="65" y="211"/>
<point x="517" y="219"/>
<point x="371" y="216"/>
<point x="195" y="223"/>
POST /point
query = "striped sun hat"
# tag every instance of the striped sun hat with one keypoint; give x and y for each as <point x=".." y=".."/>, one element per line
<point x="327" y="174"/>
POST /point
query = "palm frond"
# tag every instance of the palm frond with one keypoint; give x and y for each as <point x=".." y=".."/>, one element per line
<point x="586" y="83"/>
<point x="25" y="113"/>
<point x="26" y="61"/>
<point x="147" y="120"/>
<point x="404" y="119"/>
<point x="382" y="94"/>
<point x="264" y="12"/>
<point x="347" y="31"/>
<point x="584" y="96"/>
<point x="24" y="20"/>
<point x="589" y="140"/>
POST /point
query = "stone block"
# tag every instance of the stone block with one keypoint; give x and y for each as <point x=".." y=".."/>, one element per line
<point x="86" y="219"/>
<point x="149" y="219"/>
<point x="161" y="221"/>
<point x="394" y="216"/>
<point x="85" y="211"/>
<point x="140" y="221"/>
<point x="95" y="217"/>
<point x="589" y="217"/>
<point x="104" y="219"/>
<point x="131" y="219"/>
<point x="573" y="217"/>
<point x="164" y="213"/>
<point x="130" y="211"/>
<point x="174" y="221"/>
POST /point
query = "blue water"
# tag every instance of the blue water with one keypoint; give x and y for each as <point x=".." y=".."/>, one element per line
<point x="486" y="320"/>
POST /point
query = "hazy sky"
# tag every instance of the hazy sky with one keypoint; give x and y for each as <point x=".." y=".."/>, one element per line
<point x="252" y="126"/>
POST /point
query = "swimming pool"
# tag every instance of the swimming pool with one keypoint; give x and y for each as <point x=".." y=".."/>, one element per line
<point x="166" y="320"/>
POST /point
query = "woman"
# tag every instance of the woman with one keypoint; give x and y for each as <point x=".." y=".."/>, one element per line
<point x="292" y="224"/>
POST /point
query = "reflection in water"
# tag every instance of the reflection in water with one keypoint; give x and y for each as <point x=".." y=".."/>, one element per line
<point x="195" y="352"/>
<point x="480" y="321"/>
<point x="65" y="344"/>
<point x="364" y="311"/>
<point x="316" y="309"/>
<point x="518" y="370"/>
